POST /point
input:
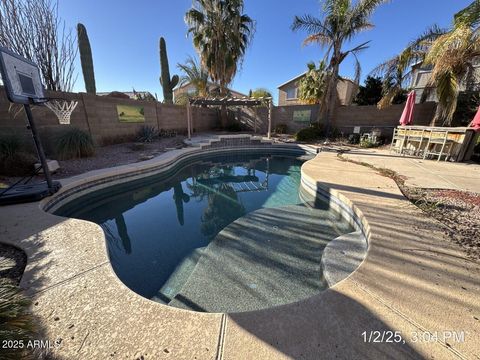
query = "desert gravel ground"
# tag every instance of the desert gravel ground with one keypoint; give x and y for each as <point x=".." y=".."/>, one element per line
<point x="459" y="211"/>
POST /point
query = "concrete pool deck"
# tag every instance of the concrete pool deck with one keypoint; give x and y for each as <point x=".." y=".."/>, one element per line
<point x="412" y="281"/>
<point x="422" y="173"/>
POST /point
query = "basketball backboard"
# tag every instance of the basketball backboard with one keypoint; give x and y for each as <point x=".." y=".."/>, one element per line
<point x="21" y="78"/>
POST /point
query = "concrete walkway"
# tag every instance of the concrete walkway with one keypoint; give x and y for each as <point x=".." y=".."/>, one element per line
<point x="413" y="282"/>
<point x="423" y="173"/>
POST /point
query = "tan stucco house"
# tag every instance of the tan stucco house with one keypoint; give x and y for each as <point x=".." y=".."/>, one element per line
<point x="421" y="75"/>
<point x="288" y="91"/>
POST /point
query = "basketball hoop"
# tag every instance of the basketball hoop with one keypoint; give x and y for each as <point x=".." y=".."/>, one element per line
<point x="23" y="85"/>
<point x="63" y="109"/>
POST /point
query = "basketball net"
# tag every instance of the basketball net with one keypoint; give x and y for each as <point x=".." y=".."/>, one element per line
<point x="62" y="109"/>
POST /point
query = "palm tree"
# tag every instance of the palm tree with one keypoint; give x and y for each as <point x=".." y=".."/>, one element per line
<point x="260" y="93"/>
<point x="452" y="56"/>
<point x="341" y="21"/>
<point x="451" y="53"/>
<point x="396" y="75"/>
<point x="221" y="34"/>
<point x="195" y="75"/>
<point x="312" y="86"/>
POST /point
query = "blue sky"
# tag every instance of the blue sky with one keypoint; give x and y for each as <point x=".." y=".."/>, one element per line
<point x="124" y="37"/>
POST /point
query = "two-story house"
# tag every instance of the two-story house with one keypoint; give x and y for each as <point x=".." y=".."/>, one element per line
<point x="422" y="74"/>
<point x="288" y="91"/>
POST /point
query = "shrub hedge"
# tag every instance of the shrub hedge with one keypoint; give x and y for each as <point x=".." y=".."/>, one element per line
<point x="74" y="143"/>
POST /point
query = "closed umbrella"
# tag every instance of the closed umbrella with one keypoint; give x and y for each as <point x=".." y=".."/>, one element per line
<point x="475" y="124"/>
<point x="407" y="115"/>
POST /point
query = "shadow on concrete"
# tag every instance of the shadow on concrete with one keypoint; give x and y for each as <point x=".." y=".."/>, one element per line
<point x="383" y="154"/>
<point x="365" y="191"/>
<point x="410" y="266"/>
<point x="35" y="344"/>
<point x="328" y="326"/>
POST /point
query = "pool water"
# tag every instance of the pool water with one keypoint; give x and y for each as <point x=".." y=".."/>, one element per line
<point x="221" y="234"/>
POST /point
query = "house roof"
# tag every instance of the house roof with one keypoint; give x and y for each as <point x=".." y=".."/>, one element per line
<point x="291" y="80"/>
<point x="130" y="94"/>
<point x="210" y="83"/>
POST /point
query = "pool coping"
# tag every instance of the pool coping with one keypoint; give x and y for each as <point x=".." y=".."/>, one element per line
<point x="79" y="188"/>
<point x="225" y="336"/>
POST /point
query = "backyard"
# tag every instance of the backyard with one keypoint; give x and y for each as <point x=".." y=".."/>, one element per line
<point x="335" y="218"/>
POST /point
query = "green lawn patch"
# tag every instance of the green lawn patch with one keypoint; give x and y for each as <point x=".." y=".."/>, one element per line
<point x="130" y="113"/>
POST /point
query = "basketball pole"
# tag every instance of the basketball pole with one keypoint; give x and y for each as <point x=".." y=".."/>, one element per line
<point x="38" y="145"/>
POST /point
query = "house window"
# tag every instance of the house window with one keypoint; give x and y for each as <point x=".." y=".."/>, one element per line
<point x="291" y="93"/>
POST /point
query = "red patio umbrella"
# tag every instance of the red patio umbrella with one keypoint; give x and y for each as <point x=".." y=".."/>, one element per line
<point x="475" y="124"/>
<point x="407" y="115"/>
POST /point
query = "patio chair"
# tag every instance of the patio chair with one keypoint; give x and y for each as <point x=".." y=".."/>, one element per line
<point x="395" y="138"/>
<point x="416" y="139"/>
<point x="433" y="144"/>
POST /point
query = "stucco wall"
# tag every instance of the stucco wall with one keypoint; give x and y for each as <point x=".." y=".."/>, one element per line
<point x="348" y="117"/>
<point x="98" y="115"/>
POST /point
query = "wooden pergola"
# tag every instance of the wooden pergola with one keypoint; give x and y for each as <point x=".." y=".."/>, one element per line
<point x="229" y="101"/>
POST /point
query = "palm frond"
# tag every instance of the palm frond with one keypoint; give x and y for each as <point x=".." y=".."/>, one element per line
<point x="321" y="39"/>
<point x="469" y="15"/>
<point x="447" y="92"/>
<point x="311" y="25"/>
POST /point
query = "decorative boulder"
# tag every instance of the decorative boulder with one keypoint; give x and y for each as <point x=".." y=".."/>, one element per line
<point x="53" y="166"/>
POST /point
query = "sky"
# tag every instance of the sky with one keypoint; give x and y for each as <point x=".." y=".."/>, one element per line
<point x="124" y="37"/>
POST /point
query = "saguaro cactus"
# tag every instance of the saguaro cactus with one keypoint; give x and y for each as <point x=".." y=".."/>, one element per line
<point x="167" y="83"/>
<point x="86" y="59"/>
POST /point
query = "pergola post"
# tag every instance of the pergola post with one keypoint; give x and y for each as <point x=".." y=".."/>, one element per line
<point x="189" y="121"/>
<point x="270" y="110"/>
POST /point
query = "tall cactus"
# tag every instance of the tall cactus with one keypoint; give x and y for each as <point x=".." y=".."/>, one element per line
<point x="168" y="84"/>
<point x="86" y="59"/>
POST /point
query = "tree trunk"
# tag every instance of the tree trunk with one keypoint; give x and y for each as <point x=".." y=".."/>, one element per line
<point x="327" y="107"/>
<point x="223" y="109"/>
<point x="437" y="118"/>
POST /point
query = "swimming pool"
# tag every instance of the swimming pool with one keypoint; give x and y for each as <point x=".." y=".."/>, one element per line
<point x="223" y="233"/>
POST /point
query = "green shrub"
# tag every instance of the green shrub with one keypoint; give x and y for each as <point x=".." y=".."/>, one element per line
<point x="74" y="143"/>
<point x="309" y="134"/>
<point x="14" y="159"/>
<point x="146" y="134"/>
<point x="281" y="129"/>
<point x="354" y="139"/>
<point x="367" y="143"/>
<point x="10" y="145"/>
<point x="16" y="323"/>
<point x="335" y="133"/>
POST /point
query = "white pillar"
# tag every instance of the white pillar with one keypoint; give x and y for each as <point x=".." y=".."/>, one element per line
<point x="189" y="121"/>
<point x="270" y="110"/>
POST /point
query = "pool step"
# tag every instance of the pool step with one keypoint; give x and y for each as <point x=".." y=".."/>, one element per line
<point x="266" y="258"/>
<point x="179" y="277"/>
<point x="342" y="256"/>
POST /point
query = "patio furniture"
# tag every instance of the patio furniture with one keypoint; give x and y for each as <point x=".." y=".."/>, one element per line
<point x="443" y="142"/>
<point x="416" y="142"/>
<point x="448" y="143"/>
<point x="372" y="136"/>
<point x="397" y="137"/>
